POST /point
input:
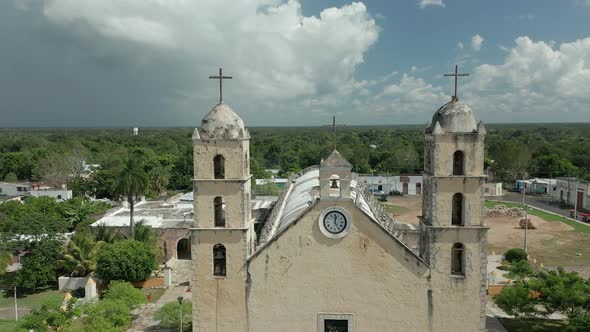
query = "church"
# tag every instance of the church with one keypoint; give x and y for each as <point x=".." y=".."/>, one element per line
<point x="327" y="258"/>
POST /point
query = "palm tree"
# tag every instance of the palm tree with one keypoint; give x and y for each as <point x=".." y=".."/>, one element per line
<point x="80" y="254"/>
<point x="78" y="210"/>
<point x="132" y="181"/>
<point x="108" y="235"/>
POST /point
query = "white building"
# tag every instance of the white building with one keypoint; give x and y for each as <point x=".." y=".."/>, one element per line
<point x="8" y="189"/>
<point x="406" y="184"/>
<point x="14" y="189"/>
<point x="58" y="194"/>
<point x="565" y="189"/>
<point x="492" y="189"/>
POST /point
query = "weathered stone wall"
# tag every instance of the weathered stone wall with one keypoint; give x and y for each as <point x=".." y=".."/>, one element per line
<point x="458" y="296"/>
<point x="235" y="195"/>
<point x="367" y="273"/>
<point x="235" y="153"/>
<point x="218" y="302"/>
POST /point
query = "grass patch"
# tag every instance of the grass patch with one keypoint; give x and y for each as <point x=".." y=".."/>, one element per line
<point x="8" y="325"/>
<point x="31" y="301"/>
<point x="582" y="228"/>
<point x="533" y="324"/>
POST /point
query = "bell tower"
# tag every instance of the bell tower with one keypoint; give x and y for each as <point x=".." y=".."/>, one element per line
<point x="453" y="237"/>
<point x="223" y="233"/>
<point x="335" y="176"/>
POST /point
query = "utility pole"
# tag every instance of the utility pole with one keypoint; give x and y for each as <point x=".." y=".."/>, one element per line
<point x="180" y="298"/>
<point x="526" y="222"/>
<point x="575" y="199"/>
<point x="15" y="305"/>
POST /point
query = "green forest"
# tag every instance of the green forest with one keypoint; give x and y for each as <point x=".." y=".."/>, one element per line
<point x="56" y="156"/>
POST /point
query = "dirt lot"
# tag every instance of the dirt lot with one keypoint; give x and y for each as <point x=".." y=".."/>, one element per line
<point x="553" y="243"/>
<point x="406" y="209"/>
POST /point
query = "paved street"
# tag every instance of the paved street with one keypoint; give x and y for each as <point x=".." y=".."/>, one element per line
<point x="545" y="203"/>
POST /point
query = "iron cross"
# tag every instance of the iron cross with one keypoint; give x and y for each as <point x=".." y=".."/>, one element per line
<point x="334" y="125"/>
<point x="220" y="78"/>
<point x="456" y="74"/>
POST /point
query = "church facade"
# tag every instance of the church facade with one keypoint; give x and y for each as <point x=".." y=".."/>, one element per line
<point x="328" y="258"/>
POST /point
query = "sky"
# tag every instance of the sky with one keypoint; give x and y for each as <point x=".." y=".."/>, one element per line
<point x="112" y="63"/>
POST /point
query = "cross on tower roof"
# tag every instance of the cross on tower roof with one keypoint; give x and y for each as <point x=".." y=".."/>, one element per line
<point x="220" y="78"/>
<point x="334" y="125"/>
<point x="456" y="74"/>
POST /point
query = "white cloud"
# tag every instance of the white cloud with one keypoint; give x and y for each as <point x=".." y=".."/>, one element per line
<point x="536" y="78"/>
<point x="425" y="3"/>
<point x="476" y="42"/>
<point x="268" y="46"/>
<point x="460" y="45"/>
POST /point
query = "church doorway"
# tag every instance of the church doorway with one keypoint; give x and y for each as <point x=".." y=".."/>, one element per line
<point x="183" y="249"/>
<point x="405" y="188"/>
<point x="418" y="188"/>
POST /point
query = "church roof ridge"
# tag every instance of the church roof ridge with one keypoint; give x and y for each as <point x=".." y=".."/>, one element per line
<point x="336" y="160"/>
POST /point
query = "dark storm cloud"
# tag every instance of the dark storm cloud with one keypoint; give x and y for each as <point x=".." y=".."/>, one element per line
<point x="57" y="75"/>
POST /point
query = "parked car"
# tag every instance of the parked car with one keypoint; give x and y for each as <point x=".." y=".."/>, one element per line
<point x="378" y="192"/>
<point x="383" y="198"/>
<point x="396" y="193"/>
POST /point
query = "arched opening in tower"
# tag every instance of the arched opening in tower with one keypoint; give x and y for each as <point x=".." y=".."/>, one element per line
<point x="219" y="269"/>
<point x="458" y="163"/>
<point x="219" y="207"/>
<point x="219" y="167"/>
<point x="183" y="249"/>
<point x="457" y="213"/>
<point x="335" y="185"/>
<point x="457" y="259"/>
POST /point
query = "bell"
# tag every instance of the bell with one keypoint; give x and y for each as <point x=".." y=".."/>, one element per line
<point x="334" y="184"/>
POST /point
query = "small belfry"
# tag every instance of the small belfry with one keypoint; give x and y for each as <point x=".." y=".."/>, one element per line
<point x="223" y="233"/>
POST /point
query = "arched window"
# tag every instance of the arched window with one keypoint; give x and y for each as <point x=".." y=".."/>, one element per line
<point x="219" y="167"/>
<point x="457" y="212"/>
<point x="219" y="260"/>
<point x="335" y="185"/>
<point x="219" y="207"/>
<point x="457" y="260"/>
<point x="458" y="163"/>
<point x="183" y="249"/>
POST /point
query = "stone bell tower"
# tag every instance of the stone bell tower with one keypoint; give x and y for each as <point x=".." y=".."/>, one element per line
<point x="452" y="233"/>
<point x="222" y="237"/>
<point x="335" y="176"/>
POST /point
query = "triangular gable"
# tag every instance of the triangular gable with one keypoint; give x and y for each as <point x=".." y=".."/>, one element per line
<point x="336" y="160"/>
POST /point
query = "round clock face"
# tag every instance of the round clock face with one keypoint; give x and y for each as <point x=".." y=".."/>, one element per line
<point x="335" y="222"/>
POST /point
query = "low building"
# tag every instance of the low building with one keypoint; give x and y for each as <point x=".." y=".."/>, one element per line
<point x="14" y="189"/>
<point x="570" y="191"/>
<point x="59" y="194"/>
<point x="406" y="184"/>
<point x="492" y="189"/>
<point x="172" y="220"/>
<point x="537" y="186"/>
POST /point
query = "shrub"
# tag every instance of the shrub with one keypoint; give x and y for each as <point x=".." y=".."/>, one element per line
<point x="125" y="293"/>
<point x="579" y="323"/>
<point x="115" y="312"/>
<point x="515" y="255"/>
<point x="520" y="270"/>
<point x="169" y="316"/>
<point x="127" y="260"/>
<point x="516" y="300"/>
